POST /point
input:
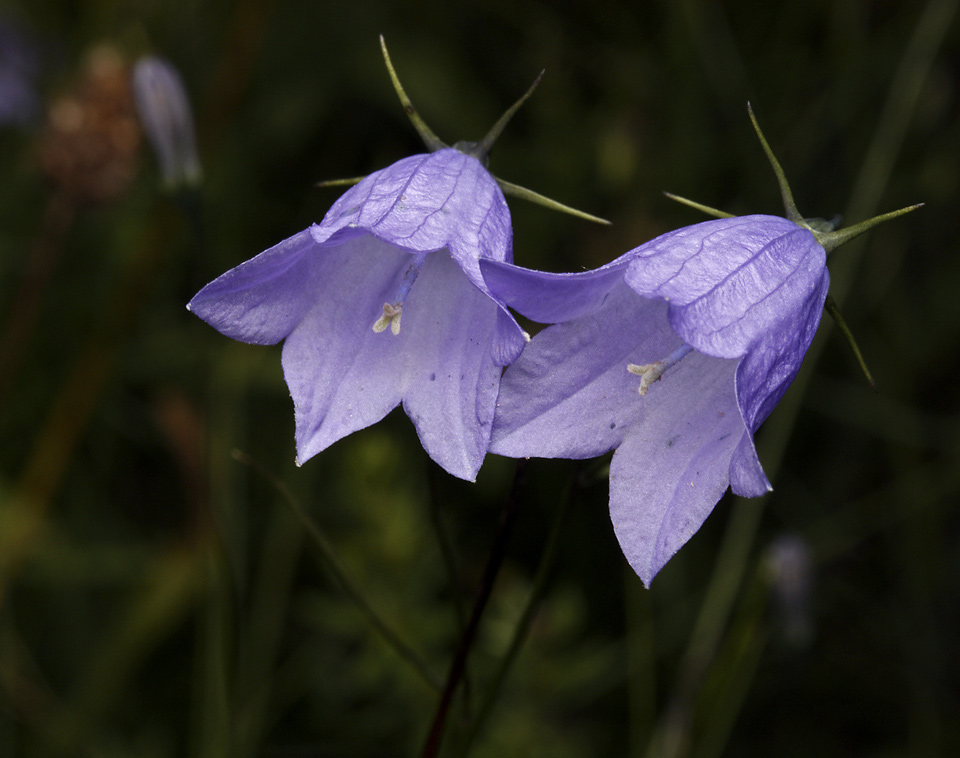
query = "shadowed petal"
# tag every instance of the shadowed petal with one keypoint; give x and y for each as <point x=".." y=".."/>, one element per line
<point x="569" y="394"/>
<point x="552" y="298"/>
<point x="764" y="376"/>
<point x="262" y="300"/>
<point x="669" y="472"/>
<point x="451" y="376"/>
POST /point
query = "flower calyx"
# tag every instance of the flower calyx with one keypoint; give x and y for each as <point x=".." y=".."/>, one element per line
<point x="479" y="150"/>
<point x="825" y="231"/>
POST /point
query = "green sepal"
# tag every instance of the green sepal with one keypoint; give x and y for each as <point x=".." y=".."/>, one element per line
<point x="832" y="240"/>
<point x="789" y="205"/>
<point x="340" y="182"/>
<point x="431" y="140"/>
<point x="831" y="307"/>
<point x="699" y="206"/>
<point x="515" y="190"/>
<point x="481" y="150"/>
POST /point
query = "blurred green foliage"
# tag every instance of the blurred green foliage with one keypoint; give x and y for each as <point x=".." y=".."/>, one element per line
<point x="158" y="598"/>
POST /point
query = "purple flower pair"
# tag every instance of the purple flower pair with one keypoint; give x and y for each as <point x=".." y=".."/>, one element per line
<point x="672" y="355"/>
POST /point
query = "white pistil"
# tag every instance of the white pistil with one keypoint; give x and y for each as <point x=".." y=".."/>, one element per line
<point x="651" y="372"/>
<point x="391" y="317"/>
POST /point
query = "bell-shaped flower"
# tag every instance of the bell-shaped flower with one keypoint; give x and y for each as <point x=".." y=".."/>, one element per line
<point x="383" y="303"/>
<point x="672" y="355"/>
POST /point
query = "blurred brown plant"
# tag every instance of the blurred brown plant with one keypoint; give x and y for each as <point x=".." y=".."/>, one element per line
<point x="91" y="138"/>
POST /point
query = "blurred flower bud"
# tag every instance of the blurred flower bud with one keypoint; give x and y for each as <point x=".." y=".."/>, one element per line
<point x="791" y="573"/>
<point x="167" y="121"/>
<point x="91" y="139"/>
<point x="18" y="70"/>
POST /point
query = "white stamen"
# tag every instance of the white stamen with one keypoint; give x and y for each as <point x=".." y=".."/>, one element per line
<point x="651" y="372"/>
<point x="391" y="317"/>
<point x="391" y="311"/>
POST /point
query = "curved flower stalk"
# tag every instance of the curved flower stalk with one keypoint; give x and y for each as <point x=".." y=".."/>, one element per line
<point x="672" y="355"/>
<point x="384" y="303"/>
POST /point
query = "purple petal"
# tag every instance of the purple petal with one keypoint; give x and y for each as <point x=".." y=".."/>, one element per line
<point x="669" y="473"/>
<point x="730" y="281"/>
<point x="552" y="298"/>
<point x="569" y="394"/>
<point x="430" y="202"/>
<point x="343" y="376"/>
<point x="19" y="64"/>
<point x="764" y="376"/>
<point x="262" y="300"/>
<point x="451" y="376"/>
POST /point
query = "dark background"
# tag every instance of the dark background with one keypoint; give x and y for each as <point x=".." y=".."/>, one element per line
<point x="157" y="597"/>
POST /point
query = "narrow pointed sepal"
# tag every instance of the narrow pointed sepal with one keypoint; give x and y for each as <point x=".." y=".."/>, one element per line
<point x="832" y="240"/>
<point x="699" y="206"/>
<point x="515" y="190"/>
<point x="340" y="182"/>
<point x="831" y="307"/>
<point x="431" y="140"/>
<point x="482" y="149"/>
<point x="789" y="205"/>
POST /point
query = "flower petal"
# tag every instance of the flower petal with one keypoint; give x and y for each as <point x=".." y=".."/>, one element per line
<point x="552" y="298"/>
<point x="341" y="374"/>
<point x="441" y="200"/>
<point x="262" y="300"/>
<point x="428" y="202"/>
<point x="569" y="394"/>
<point x="729" y="281"/>
<point x="451" y="376"/>
<point x="764" y="376"/>
<point x="671" y="470"/>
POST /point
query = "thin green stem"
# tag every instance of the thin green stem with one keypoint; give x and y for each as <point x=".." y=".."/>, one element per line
<point x="329" y="555"/>
<point x="446" y="552"/>
<point x="453" y="575"/>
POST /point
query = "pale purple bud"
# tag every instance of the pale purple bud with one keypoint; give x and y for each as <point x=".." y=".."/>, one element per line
<point x="167" y="120"/>
<point x="18" y="70"/>
<point x="790" y="570"/>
